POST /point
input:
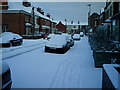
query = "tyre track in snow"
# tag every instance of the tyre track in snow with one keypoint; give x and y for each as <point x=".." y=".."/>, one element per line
<point x="24" y="48"/>
<point x="69" y="76"/>
<point x="2" y="51"/>
<point x="54" y="82"/>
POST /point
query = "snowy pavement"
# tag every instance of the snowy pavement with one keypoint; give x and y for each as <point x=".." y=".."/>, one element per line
<point x="74" y="69"/>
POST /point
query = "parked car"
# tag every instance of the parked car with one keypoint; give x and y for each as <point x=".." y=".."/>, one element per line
<point x="5" y="74"/>
<point x="58" y="44"/>
<point x="8" y="39"/>
<point x="81" y="34"/>
<point x="70" y="39"/>
<point x="76" y="37"/>
<point x="49" y="36"/>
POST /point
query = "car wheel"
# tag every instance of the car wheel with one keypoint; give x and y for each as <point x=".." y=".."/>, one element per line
<point x="20" y="43"/>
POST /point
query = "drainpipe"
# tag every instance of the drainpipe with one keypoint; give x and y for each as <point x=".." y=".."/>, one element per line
<point x="20" y="23"/>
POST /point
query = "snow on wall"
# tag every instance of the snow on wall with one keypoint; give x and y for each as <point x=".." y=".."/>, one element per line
<point x="112" y="73"/>
<point x="3" y="67"/>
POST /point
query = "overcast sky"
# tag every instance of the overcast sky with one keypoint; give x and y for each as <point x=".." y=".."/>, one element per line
<point x="72" y="11"/>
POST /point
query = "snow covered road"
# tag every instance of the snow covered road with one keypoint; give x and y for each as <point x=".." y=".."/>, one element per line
<point x="74" y="69"/>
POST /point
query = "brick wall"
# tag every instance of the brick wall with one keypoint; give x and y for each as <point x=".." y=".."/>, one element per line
<point x="15" y="22"/>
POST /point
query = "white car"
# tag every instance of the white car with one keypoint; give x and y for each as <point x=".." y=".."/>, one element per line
<point x="76" y="36"/>
<point x="71" y="41"/>
<point x="58" y="44"/>
<point x="81" y="34"/>
<point x="49" y="36"/>
<point x="8" y="39"/>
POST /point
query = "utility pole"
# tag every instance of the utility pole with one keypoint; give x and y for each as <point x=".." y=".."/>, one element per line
<point x="89" y="12"/>
<point x="33" y="28"/>
<point x="66" y="24"/>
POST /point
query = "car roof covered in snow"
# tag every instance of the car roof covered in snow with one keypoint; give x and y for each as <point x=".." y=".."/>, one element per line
<point x="76" y="36"/>
<point x="7" y="36"/>
<point x="50" y="35"/>
<point x="81" y="33"/>
<point x="57" y="40"/>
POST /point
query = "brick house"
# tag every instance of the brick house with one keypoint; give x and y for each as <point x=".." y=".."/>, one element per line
<point x="92" y="20"/>
<point x="61" y="27"/>
<point x="19" y="19"/>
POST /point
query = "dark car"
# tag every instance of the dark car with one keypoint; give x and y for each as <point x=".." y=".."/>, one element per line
<point x="8" y="39"/>
<point x="5" y="74"/>
<point x="58" y="44"/>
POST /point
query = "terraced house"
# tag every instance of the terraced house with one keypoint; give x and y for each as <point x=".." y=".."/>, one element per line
<point x="25" y="19"/>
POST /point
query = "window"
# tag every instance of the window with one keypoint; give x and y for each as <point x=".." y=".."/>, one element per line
<point x="4" y="27"/>
<point x="74" y="26"/>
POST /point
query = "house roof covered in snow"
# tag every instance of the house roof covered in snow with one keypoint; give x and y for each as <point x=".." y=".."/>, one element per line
<point x="19" y="6"/>
<point x="82" y="23"/>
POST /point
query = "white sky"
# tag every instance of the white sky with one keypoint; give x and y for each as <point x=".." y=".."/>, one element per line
<point x="72" y="11"/>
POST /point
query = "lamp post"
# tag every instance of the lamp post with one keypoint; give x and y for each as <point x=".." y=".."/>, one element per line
<point x="89" y="12"/>
<point x="66" y="24"/>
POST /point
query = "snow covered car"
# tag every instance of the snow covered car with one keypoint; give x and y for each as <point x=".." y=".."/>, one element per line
<point x="70" y="39"/>
<point x="8" y="39"/>
<point x="81" y="34"/>
<point x="49" y="36"/>
<point x="76" y="37"/>
<point x="58" y="44"/>
<point x="5" y="74"/>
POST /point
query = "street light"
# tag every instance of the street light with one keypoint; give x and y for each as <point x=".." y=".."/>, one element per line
<point x="89" y="12"/>
<point x="66" y="24"/>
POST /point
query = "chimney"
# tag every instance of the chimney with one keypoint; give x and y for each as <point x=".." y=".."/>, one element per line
<point x="39" y="9"/>
<point x="42" y="12"/>
<point x="26" y="3"/>
<point x="48" y="15"/>
<point x="3" y="4"/>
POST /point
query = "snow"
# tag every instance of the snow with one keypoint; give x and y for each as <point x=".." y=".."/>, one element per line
<point x="39" y="14"/>
<point x="50" y="35"/>
<point x="57" y="41"/>
<point x="81" y="33"/>
<point x="3" y="67"/>
<point x="45" y="27"/>
<point x="76" y="36"/>
<point x="27" y="24"/>
<point x="7" y="36"/>
<point x="37" y="69"/>
<point x="25" y="47"/>
<point x="18" y="6"/>
<point x="112" y="73"/>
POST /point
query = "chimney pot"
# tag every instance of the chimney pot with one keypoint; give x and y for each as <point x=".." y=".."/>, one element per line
<point x="42" y="12"/>
<point x="48" y="15"/>
<point x="39" y="9"/>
